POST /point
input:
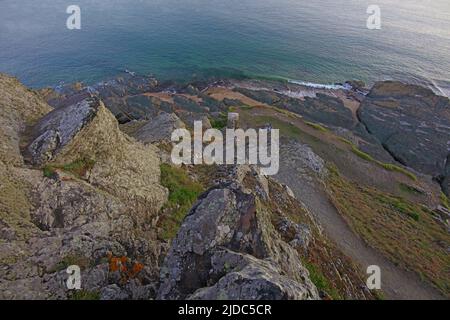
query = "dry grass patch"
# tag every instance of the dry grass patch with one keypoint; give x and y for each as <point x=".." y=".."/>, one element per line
<point x="404" y="232"/>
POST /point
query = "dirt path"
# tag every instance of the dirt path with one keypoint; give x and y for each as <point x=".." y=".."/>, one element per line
<point x="396" y="283"/>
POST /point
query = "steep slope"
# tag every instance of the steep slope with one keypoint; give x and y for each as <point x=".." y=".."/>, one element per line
<point x="89" y="198"/>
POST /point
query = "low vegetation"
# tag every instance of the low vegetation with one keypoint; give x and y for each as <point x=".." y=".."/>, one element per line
<point x="320" y="281"/>
<point x="316" y="126"/>
<point x="78" y="168"/>
<point x="345" y="141"/>
<point x="393" y="167"/>
<point x="445" y="201"/>
<point x="410" y="189"/>
<point x="362" y="154"/>
<point x="85" y="295"/>
<point x="405" y="232"/>
<point x="72" y="259"/>
<point x="321" y="257"/>
<point x="219" y="122"/>
<point x="183" y="192"/>
<point x="386" y="166"/>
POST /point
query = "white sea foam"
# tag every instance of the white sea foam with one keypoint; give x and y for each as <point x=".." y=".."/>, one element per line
<point x="319" y="85"/>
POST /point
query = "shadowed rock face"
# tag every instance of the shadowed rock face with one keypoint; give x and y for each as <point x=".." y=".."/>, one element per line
<point x="228" y="248"/>
<point x="88" y="131"/>
<point x="58" y="128"/>
<point x="411" y="122"/>
<point x="159" y="128"/>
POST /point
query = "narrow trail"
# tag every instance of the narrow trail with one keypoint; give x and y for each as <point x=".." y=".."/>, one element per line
<point x="396" y="283"/>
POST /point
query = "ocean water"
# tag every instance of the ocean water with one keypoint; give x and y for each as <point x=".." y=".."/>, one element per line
<point x="317" y="41"/>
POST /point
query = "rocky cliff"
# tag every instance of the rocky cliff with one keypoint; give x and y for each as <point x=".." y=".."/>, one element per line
<point x="75" y="190"/>
<point x="78" y="191"/>
<point x="87" y="181"/>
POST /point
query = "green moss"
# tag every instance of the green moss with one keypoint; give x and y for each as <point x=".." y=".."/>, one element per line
<point x="219" y="122"/>
<point x="400" y="205"/>
<point x="379" y="295"/>
<point x="320" y="281"/>
<point x="445" y="201"/>
<point x="386" y="166"/>
<point x="285" y="112"/>
<point x="345" y="141"/>
<point x="362" y="154"/>
<point x="409" y="189"/>
<point x="183" y="192"/>
<point x="393" y="167"/>
<point x="85" y="295"/>
<point x="316" y="126"/>
<point x="78" y="168"/>
<point x="71" y="260"/>
<point x="48" y="171"/>
<point x="286" y="129"/>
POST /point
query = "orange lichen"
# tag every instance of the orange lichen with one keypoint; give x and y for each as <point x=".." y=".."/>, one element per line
<point x="127" y="269"/>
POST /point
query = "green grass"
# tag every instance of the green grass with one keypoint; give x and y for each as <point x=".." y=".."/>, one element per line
<point x="320" y="281"/>
<point x="183" y="192"/>
<point x="345" y="141"/>
<point x="78" y="168"/>
<point x="400" y="205"/>
<point x="445" y="201"/>
<point x="70" y="260"/>
<point x="409" y="189"/>
<point x="393" y="167"/>
<point x="219" y="122"/>
<point x="85" y="295"/>
<point x="286" y="129"/>
<point x="362" y="154"/>
<point x="379" y="295"/>
<point x="316" y="126"/>
<point x="404" y="231"/>
<point x="48" y="171"/>
<point x="386" y="166"/>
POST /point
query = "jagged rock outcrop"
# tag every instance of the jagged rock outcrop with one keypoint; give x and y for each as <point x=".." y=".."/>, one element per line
<point x="159" y="128"/>
<point x="228" y="248"/>
<point x="20" y="107"/>
<point x="88" y="131"/>
<point x="411" y="122"/>
<point x="89" y="216"/>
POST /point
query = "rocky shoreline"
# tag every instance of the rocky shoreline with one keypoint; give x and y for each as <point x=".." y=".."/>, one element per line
<point x="87" y="180"/>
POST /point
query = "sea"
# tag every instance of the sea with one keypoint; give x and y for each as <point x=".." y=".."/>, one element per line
<point x="315" y="42"/>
